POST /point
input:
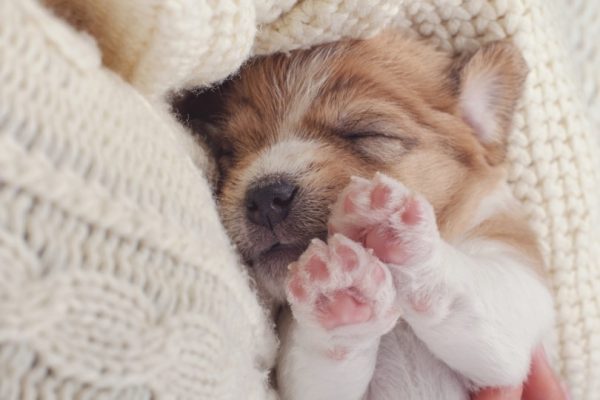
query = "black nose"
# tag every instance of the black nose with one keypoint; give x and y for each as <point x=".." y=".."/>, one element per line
<point x="269" y="204"/>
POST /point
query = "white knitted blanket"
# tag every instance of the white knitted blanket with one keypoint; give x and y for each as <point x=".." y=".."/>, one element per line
<point x="116" y="279"/>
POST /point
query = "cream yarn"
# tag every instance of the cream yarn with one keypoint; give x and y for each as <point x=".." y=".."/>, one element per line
<point x="107" y="232"/>
<point x="117" y="280"/>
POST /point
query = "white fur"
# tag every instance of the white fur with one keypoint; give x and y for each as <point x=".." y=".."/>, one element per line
<point x="496" y="311"/>
<point x="288" y="156"/>
<point x="487" y="313"/>
<point x="306" y="371"/>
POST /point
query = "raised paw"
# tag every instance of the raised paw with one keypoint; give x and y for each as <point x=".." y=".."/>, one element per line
<point x="341" y="288"/>
<point x="399" y="226"/>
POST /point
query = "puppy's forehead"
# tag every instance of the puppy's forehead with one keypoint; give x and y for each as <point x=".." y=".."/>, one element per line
<point x="311" y="93"/>
<point x="277" y="92"/>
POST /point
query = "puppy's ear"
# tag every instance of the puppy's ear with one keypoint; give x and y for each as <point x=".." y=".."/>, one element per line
<point x="197" y="108"/>
<point x="489" y="83"/>
<point x="201" y="110"/>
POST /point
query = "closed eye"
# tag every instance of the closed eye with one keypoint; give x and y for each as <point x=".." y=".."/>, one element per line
<point x="366" y="135"/>
<point x="407" y="142"/>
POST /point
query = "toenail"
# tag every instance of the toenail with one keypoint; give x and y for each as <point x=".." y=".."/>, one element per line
<point x="342" y="309"/>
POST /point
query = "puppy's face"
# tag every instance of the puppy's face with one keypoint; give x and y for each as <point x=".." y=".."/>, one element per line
<point x="295" y="129"/>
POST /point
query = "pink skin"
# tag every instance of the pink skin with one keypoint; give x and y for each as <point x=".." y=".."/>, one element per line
<point x="376" y="213"/>
<point x="346" y="282"/>
<point x="344" y="307"/>
<point x="396" y="224"/>
<point x="339" y="284"/>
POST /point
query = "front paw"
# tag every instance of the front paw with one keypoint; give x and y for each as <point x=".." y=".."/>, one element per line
<point x="341" y="290"/>
<point x="400" y="227"/>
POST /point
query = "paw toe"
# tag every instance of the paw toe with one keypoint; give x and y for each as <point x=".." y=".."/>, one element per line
<point x="316" y="269"/>
<point x="380" y="196"/>
<point x="296" y="289"/>
<point x="386" y="246"/>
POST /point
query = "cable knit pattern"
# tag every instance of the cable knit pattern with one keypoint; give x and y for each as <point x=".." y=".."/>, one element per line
<point x="117" y="280"/>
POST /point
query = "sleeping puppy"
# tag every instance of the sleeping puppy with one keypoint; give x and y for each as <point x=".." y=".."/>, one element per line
<point x="363" y="184"/>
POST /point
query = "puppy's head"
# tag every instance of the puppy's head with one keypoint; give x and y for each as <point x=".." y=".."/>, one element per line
<point x="295" y="128"/>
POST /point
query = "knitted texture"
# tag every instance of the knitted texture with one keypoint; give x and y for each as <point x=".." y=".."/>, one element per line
<point x="116" y="279"/>
<point x="585" y="51"/>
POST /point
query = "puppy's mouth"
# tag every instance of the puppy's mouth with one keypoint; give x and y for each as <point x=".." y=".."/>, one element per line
<point x="278" y="248"/>
<point x="269" y="266"/>
<point x="279" y="254"/>
<point x="275" y="258"/>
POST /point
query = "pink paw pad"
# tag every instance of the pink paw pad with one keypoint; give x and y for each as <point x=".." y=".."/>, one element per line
<point x="386" y="245"/>
<point x="347" y="257"/>
<point x="316" y="268"/>
<point x="341" y="284"/>
<point x="380" y="196"/>
<point x="342" y="308"/>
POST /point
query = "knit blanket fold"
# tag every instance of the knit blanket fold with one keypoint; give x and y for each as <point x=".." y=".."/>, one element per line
<point x="117" y="280"/>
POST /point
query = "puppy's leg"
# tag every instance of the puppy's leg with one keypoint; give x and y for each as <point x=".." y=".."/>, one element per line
<point x="479" y="307"/>
<point x="342" y="299"/>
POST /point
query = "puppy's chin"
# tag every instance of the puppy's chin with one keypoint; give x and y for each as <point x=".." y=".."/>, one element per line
<point x="270" y="269"/>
